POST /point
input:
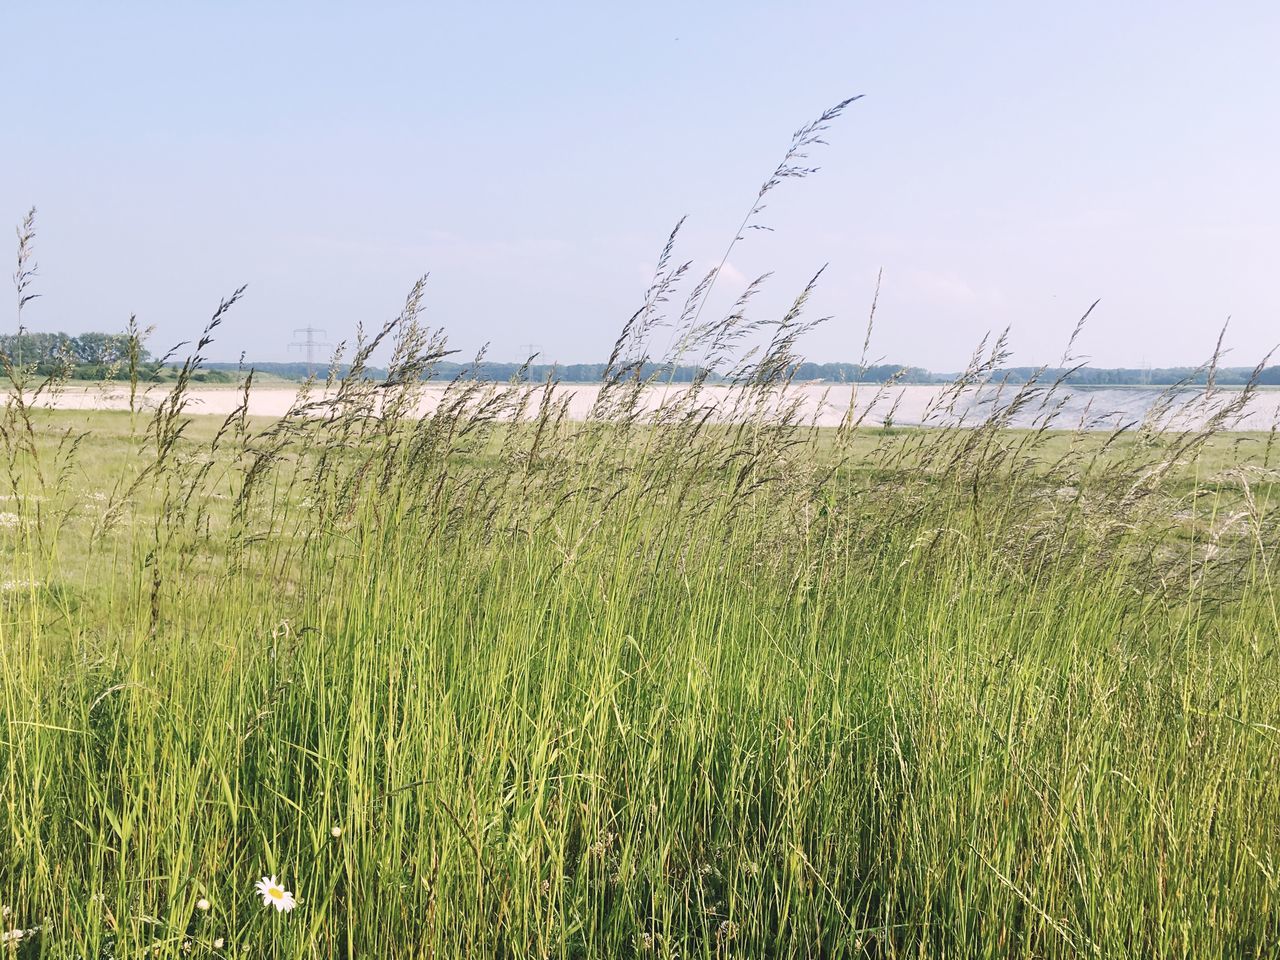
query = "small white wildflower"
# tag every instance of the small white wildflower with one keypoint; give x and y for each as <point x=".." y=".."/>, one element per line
<point x="202" y="905"/>
<point x="15" y="936"/>
<point x="9" y="519"/>
<point x="219" y="943"/>
<point x="335" y="832"/>
<point x="275" y="895"/>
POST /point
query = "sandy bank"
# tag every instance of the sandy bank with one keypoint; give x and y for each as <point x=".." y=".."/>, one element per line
<point x="906" y="405"/>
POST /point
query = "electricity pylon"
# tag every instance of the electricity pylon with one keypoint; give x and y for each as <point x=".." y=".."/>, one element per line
<point x="309" y="345"/>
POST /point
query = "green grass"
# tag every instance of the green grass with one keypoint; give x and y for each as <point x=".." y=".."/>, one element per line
<point x="617" y="689"/>
<point x="495" y="684"/>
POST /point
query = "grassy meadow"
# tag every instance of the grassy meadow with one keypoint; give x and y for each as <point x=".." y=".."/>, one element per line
<point x="679" y="686"/>
<point x="695" y="683"/>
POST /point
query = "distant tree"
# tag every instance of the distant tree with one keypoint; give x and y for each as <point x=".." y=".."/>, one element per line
<point x="104" y="348"/>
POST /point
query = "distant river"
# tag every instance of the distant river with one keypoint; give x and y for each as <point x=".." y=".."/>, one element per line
<point x="1096" y="408"/>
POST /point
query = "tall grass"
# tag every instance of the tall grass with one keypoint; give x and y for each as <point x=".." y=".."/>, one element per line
<point x="704" y="681"/>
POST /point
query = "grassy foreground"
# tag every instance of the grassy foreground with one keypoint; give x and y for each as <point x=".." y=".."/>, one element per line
<point x="694" y="688"/>
<point x="695" y="683"/>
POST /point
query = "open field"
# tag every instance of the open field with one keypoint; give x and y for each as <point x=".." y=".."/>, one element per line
<point x="472" y="685"/>
<point x="474" y="628"/>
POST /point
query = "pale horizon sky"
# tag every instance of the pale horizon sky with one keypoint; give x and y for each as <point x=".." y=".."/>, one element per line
<point x="1010" y="164"/>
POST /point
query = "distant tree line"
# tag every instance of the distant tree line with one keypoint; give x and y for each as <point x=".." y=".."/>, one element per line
<point x="1153" y="376"/>
<point x="102" y="349"/>
<point x="806" y="372"/>
<point x="448" y="370"/>
<point x="87" y="356"/>
<point x="97" y="356"/>
<point x="595" y="372"/>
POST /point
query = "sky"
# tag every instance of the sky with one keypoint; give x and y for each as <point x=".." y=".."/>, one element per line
<point x="1009" y="164"/>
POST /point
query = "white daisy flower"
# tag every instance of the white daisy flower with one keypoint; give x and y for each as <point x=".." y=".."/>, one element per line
<point x="275" y="895"/>
<point x="15" y="936"/>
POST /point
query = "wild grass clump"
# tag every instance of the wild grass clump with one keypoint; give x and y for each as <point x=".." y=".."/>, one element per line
<point x="700" y="680"/>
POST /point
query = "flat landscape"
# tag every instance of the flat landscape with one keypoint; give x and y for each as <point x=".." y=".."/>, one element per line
<point x="469" y="685"/>
<point x="821" y="404"/>
<point x="479" y="482"/>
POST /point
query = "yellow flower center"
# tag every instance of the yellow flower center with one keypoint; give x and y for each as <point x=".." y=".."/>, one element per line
<point x="275" y="893"/>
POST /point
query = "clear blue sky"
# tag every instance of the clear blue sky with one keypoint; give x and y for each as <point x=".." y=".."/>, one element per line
<point x="1011" y="163"/>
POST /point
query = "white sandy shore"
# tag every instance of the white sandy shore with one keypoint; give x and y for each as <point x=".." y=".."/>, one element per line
<point x="907" y="405"/>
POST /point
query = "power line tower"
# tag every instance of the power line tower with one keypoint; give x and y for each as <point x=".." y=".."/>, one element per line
<point x="530" y="349"/>
<point x="309" y="345"/>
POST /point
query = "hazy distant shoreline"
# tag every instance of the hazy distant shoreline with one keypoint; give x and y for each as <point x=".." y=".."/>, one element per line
<point x="805" y="372"/>
<point x="825" y="405"/>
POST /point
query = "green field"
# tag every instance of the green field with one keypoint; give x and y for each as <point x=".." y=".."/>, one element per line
<point x="618" y="688"/>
